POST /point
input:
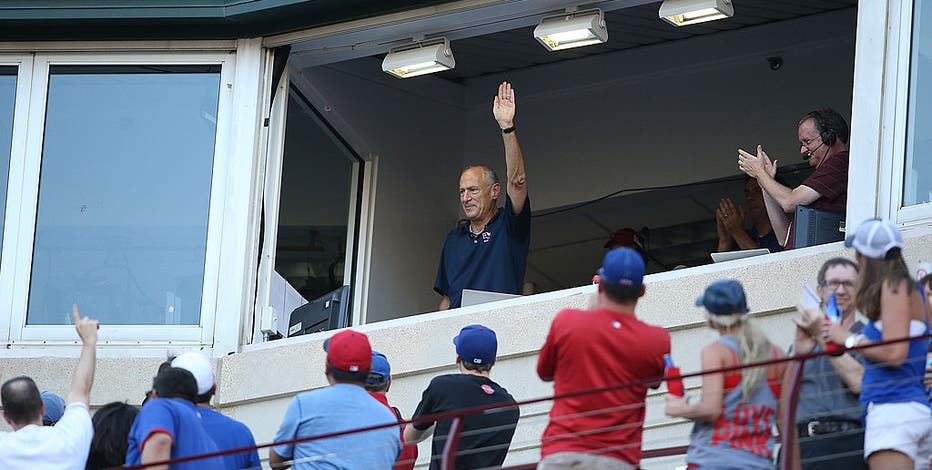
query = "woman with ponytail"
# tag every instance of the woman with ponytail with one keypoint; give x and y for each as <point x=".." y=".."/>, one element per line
<point x="898" y="424"/>
<point x="734" y="417"/>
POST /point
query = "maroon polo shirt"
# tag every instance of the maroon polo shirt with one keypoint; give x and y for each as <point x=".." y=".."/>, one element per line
<point x="830" y="180"/>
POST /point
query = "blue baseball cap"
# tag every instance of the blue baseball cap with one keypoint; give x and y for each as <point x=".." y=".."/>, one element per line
<point x="622" y="266"/>
<point x="54" y="407"/>
<point x="381" y="370"/>
<point x="723" y="297"/>
<point x="476" y="344"/>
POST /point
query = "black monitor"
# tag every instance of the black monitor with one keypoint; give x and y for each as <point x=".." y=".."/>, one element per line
<point x="328" y="312"/>
<point x="815" y="227"/>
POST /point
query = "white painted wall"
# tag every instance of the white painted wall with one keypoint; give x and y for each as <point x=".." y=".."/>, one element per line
<point x="668" y="114"/>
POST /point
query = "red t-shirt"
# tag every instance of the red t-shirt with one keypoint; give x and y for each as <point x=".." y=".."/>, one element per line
<point x="830" y="180"/>
<point x="590" y="349"/>
<point x="409" y="451"/>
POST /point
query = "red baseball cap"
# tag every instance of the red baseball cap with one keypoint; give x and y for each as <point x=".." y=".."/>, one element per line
<point x="627" y="237"/>
<point x="349" y="351"/>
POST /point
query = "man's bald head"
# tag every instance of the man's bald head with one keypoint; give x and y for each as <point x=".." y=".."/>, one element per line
<point x="22" y="403"/>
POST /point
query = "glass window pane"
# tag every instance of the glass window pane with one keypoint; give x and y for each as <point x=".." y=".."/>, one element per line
<point x="918" y="179"/>
<point x="312" y="220"/>
<point x="7" y="100"/>
<point x="124" y="188"/>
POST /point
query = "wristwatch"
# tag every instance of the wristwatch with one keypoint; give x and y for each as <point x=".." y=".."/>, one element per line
<point x="853" y="340"/>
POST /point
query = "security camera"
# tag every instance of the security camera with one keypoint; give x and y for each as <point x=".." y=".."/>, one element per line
<point x="775" y="62"/>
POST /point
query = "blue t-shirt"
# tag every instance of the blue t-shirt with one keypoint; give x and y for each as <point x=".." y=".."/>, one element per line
<point x="339" y="407"/>
<point x="495" y="260"/>
<point x="179" y="419"/>
<point x="229" y="433"/>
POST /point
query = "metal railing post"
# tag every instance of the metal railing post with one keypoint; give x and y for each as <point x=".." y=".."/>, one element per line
<point x="452" y="445"/>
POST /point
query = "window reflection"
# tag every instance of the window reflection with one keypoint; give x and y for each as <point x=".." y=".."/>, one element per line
<point x="7" y="101"/>
<point x="124" y="189"/>
<point x="918" y="177"/>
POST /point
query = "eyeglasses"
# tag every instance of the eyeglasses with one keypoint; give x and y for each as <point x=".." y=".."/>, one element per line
<point x="834" y="283"/>
<point x="807" y="142"/>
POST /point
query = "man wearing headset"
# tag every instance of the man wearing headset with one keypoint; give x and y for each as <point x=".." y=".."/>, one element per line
<point x="823" y="135"/>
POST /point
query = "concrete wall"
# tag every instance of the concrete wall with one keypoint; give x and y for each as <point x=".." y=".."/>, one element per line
<point x="255" y="385"/>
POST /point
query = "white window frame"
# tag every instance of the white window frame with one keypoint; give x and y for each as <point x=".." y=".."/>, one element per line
<point x="897" y="118"/>
<point x="360" y="204"/>
<point x="20" y="220"/>
<point x="14" y="184"/>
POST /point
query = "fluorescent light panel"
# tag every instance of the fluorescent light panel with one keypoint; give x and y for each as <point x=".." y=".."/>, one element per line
<point x="687" y="12"/>
<point x="572" y="30"/>
<point x="419" y="59"/>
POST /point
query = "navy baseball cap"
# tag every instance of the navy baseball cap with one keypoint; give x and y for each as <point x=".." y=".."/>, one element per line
<point x="381" y="370"/>
<point x="476" y="344"/>
<point x="622" y="266"/>
<point x="723" y="297"/>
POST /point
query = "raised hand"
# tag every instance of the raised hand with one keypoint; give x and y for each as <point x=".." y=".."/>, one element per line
<point x="753" y="165"/>
<point x="731" y="216"/>
<point x="769" y="166"/>
<point x="810" y="320"/>
<point x="86" y="327"/>
<point x="503" y="107"/>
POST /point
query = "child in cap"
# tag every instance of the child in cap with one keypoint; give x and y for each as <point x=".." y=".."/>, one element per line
<point x="476" y="348"/>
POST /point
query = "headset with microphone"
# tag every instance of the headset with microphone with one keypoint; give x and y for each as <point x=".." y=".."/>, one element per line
<point x="826" y="135"/>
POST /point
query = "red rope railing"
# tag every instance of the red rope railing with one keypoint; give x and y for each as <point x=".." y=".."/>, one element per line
<point x="789" y="416"/>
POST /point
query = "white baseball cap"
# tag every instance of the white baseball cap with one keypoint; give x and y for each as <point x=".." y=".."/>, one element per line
<point x="923" y="270"/>
<point x="875" y="237"/>
<point x="199" y="366"/>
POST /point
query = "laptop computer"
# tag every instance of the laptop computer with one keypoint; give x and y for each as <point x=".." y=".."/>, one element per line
<point x="476" y="297"/>
<point x="739" y="254"/>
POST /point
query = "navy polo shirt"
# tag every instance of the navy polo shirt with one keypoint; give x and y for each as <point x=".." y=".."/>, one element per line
<point x="495" y="260"/>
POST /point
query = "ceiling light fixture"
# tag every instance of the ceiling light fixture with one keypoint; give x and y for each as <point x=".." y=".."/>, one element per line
<point x="419" y="58"/>
<point x="687" y="12"/>
<point x="572" y="29"/>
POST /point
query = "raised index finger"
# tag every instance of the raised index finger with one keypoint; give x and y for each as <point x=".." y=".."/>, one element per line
<point x="75" y="314"/>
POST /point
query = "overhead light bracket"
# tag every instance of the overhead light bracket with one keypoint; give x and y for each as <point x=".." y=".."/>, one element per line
<point x="688" y="12"/>
<point x="419" y="58"/>
<point x="572" y="29"/>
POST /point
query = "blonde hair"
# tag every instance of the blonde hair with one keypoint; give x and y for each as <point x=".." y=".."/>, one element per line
<point x="753" y="346"/>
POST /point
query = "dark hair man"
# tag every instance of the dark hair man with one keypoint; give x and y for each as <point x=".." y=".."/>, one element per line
<point x="169" y="426"/>
<point x="343" y="406"/>
<point x="598" y="348"/>
<point x="476" y="348"/>
<point x="828" y="416"/>
<point x="490" y="251"/>
<point x="65" y="446"/>
<point x="730" y="222"/>
<point x="226" y="432"/>
<point x="823" y="135"/>
<point x="378" y="383"/>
